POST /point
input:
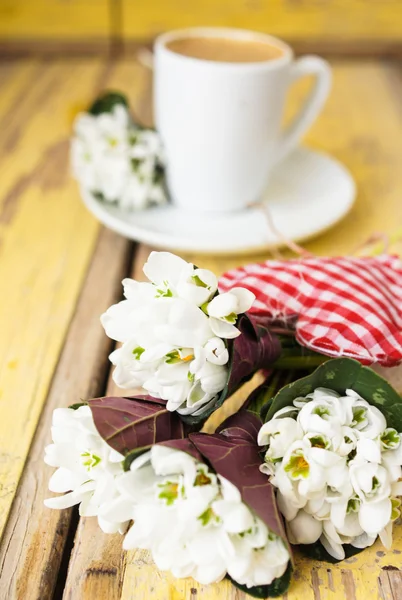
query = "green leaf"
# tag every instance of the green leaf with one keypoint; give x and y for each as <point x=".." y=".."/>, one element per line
<point x="106" y="102"/>
<point x="340" y="374"/>
<point x="133" y="454"/>
<point x="318" y="552"/>
<point x="278" y="587"/>
<point x="295" y="357"/>
<point x="78" y="405"/>
<point x="259" y="400"/>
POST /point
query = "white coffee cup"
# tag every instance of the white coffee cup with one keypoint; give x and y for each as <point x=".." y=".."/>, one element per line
<point x="220" y="122"/>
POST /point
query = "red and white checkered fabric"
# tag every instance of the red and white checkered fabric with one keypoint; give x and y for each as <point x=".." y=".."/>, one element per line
<point x="343" y="306"/>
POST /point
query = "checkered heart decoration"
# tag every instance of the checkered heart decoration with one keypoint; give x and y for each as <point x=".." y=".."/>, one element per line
<point x="338" y="306"/>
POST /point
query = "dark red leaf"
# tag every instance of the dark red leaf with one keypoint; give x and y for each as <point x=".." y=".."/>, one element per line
<point x="185" y="445"/>
<point x="256" y="348"/>
<point x="238" y="460"/>
<point x="243" y="424"/>
<point x="131" y="423"/>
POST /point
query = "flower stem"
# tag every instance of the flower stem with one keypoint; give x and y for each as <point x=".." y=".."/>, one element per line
<point x="301" y="361"/>
<point x="294" y="356"/>
<point x="259" y="400"/>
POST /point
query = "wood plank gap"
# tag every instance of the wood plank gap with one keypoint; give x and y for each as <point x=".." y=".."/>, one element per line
<point x="68" y="548"/>
<point x="56" y="48"/>
<point x="34" y="538"/>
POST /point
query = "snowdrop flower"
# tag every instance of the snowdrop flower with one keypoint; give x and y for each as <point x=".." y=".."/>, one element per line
<point x="337" y="469"/>
<point x="173" y="276"/>
<point x="194" y="522"/>
<point x="263" y="563"/>
<point x="370" y="480"/>
<point x="212" y="376"/>
<point x="324" y="414"/>
<point x="216" y="351"/>
<point x="304" y="528"/>
<point x="117" y="161"/>
<point x="278" y="434"/>
<point x="225" y="308"/>
<point x="146" y="144"/>
<point x="168" y="342"/>
<point x="87" y="468"/>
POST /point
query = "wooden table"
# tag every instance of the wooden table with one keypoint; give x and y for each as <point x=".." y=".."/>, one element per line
<point x="59" y="270"/>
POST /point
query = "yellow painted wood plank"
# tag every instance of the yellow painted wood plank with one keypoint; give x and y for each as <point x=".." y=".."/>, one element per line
<point x="46" y="240"/>
<point x="34" y="538"/>
<point x="360" y="126"/>
<point x="52" y="19"/>
<point x="330" y="20"/>
<point x="354" y="579"/>
<point x="15" y="77"/>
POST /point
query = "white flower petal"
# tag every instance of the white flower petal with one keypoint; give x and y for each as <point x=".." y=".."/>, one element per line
<point x="165" y="266"/>
<point x="65" y="480"/>
<point x="369" y="450"/>
<point x="288" y="508"/>
<point x="245" y="299"/>
<point x="223" y="329"/>
<point x="375" y="516"/>
<point x="223" y="305"/>
<point x="351" y="527"/>
<point x="386" y="536"/>
<point x="304" y="529"/>
<point x="363" y="541"/>
<point x="334" y="549"/>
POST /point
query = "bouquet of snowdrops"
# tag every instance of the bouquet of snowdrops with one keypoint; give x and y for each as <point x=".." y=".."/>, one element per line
<point x="315" y="463"/>
<point x="115" y="159"/>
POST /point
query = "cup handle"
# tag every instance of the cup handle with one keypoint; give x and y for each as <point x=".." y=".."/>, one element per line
<point x="307" y="65"/>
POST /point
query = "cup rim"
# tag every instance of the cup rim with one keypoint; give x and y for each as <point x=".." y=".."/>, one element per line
<point x="244" y="34"/>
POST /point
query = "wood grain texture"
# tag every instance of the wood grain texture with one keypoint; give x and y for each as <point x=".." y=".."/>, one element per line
<point x="332" y="22"/>
<point x="35" y="536"/>
<point x="360" y="126"/>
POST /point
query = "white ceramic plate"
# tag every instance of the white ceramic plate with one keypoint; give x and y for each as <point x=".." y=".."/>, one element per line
<point x="309" y="192"/>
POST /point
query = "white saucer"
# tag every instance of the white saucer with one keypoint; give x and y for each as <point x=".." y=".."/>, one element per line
<point x="308" y="193"/>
